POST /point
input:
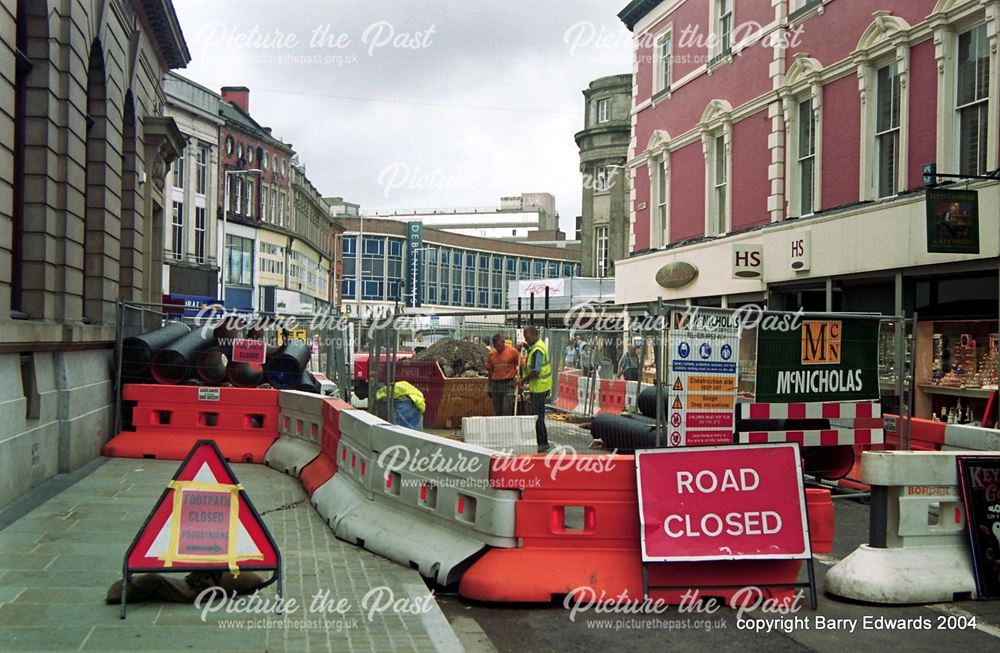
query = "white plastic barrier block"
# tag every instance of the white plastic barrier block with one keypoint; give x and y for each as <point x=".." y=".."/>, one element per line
<point x="290" y="455"/>
<point x="976" y="438"/>
<point x="336" y="498"/>
<point x="301" y="415"/>
<point x="900" y="576"/>
<point x="437" y="552"/>
<point x="356" y="426"/>
<point x="924" y="559"/>
<point x="437" y="479"/>
<point x="499" y="432"/>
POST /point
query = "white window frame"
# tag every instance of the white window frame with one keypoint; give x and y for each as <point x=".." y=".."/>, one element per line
<point x="238" y="204"/>
<point x="980" y="103"/>
<point x="602" y="262"/>
<point x="603" y="110"/>
<point x="178" y="172"/>
<point x="803" y="206"/>
<point x="602" y="179"/>
<point x="177" y="230"/>
<point x="200" y="233"/>
<point x="953" y="18"/>
<point x="281" y="209"/>
<point x="663" y="69"/>
<point x="201" y="169"/>
<point x="890" y="132"/>
<point x="717" y="43"/>
<point x="265" y="200"/>
<point x="716" y="128"/>
<point x="885" y="40"/>
<point x="249" y="197"/>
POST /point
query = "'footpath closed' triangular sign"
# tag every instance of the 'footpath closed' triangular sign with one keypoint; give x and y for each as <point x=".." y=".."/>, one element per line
<point x="204" y="520"/>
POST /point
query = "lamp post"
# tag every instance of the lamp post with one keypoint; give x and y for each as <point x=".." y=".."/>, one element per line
<point x="225" y="222"/>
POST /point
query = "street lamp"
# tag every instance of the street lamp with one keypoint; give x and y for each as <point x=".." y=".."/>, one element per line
<point x="225" y="221"/>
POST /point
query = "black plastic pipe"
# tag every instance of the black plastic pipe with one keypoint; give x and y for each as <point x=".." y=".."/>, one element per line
<point x="175" y="362"/>
<point x="284" y="368"/>
<point x="137" y="351"/>
<point x="247" y="375"/>
<point x="624" y="434"/>
<point x="210" y="365"/>
<point x="308" y="383"/>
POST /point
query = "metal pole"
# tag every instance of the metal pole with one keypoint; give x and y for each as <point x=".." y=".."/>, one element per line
<point x="659" y="375"/>
<point x="899" y="326"/>
<point x="546" y="306"/>
<point x="225" y="222"/>
<point x="910" y="386"/>
<point x="119" y="337"/>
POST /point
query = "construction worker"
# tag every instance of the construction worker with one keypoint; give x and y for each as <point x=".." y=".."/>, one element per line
<point x="502" y="365"/>
<point x="538" y="374"/>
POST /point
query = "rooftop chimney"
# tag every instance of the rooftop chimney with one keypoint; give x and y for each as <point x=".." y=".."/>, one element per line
<point x="238" y="95"/>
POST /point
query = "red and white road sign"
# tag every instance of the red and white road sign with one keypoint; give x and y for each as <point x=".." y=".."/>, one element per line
<point x="722" y="503"/>
<point x="203" y="519"/>
<point x="249" y="351"/>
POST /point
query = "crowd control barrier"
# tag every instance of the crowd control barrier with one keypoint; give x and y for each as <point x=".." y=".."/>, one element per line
<point x="300" y="424"/>
<point x="165" y="421"/>
<point x="910" y="557"/>
<point x="324" y="466"/>
<point x="579" y="529"/>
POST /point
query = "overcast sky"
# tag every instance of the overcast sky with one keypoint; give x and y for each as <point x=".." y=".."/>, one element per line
<point x="437" y="103"/>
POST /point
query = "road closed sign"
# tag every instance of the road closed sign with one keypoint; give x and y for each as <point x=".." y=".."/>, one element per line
<point x="722" y="503"/>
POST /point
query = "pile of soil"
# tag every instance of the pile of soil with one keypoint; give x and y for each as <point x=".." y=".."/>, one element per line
<point x="457" y="357"/>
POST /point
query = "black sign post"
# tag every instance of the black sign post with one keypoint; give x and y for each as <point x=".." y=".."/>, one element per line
<point x="979" y="477"/>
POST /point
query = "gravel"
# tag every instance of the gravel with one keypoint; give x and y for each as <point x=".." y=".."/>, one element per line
<point x="457" y="357"/>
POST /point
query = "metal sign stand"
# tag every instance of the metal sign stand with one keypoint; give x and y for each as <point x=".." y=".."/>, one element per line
<point x="811" y="583"/>
<point x="127" y="572"/>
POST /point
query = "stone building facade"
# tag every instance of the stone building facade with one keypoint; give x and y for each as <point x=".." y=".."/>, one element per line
<point x="603" y="143"/>
<point x="84" y="152"/>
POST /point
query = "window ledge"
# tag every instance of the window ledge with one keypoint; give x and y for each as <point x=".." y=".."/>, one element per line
<point x="806" y="11"/>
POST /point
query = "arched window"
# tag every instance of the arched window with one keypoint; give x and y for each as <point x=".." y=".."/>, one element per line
<point x="95" y="211"/>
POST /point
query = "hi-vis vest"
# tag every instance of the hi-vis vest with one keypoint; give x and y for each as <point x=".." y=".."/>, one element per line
<point x="544" y="381"/>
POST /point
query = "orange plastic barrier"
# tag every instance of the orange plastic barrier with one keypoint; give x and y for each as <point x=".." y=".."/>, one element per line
<point x="580" y="529"/>
<point x="611" y="396"/>
<point x="324" y="466"/>
<point x="164" y="421"/>
<point x="568" y="386"/>
<point x="819" y="508"/>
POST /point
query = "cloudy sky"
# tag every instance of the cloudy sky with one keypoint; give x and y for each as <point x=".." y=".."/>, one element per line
<point x="399" y="104"/>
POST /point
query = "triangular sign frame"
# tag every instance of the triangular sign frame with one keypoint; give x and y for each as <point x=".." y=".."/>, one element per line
<point x="255" y="548"/>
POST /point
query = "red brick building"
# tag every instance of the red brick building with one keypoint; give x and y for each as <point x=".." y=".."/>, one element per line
<point x="756" y="120"/>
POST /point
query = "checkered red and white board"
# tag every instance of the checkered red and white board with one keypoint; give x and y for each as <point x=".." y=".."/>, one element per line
<point x="811" y="410"/>
<point x="819" y="438"/>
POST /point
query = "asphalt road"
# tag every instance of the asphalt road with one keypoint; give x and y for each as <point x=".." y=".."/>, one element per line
<point x="971" y="626"/>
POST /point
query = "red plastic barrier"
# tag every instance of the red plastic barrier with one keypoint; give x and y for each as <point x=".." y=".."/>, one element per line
<point x="167" y="420"/>
<point x="925" y="434"/>
<point x="580" y="530"/>
<point x="611" y="396"/>
<point x="324" y="466"/>
<point x="819" y="508"/>
<point x="568" y="385"/>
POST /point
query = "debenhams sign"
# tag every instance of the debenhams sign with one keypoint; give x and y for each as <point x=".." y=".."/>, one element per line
<point x="821" y="360"/>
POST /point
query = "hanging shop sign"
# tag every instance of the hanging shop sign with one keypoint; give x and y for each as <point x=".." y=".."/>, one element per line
<point x="953" y="221"/>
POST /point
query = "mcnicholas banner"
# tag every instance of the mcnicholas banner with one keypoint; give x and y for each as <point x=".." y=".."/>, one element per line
<point x="818" y="360"/>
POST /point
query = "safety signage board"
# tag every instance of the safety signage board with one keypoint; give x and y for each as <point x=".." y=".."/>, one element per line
<point x="203" y="520"/>
<point x="249" y="351"/>
<point x="722" y="503"/>
<point x="703" y="355"/>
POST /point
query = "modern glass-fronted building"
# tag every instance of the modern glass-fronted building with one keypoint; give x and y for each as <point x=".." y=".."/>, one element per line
<point x="452" y="270"/>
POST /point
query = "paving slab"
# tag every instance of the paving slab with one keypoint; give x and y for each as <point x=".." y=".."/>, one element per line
<point x="61" y="555"/>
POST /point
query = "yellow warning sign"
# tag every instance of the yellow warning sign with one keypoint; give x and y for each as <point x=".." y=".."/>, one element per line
<point x="711" y="402"/>
<point x="678" y="385"/>
<point x="711" y="383"/>
<point x="677" y="404"/>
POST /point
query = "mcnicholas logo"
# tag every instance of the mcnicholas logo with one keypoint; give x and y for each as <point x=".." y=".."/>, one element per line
<point x="821" y="342"/>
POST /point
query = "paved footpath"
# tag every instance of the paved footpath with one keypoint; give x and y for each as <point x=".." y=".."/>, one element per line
<point x="58" y="558"/>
